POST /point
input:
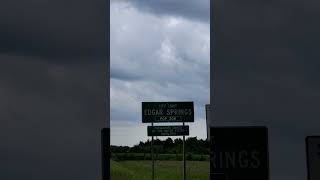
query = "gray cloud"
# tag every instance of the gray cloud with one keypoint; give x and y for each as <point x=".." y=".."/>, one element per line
<point x="166" y="53"/>
<point x="167" y="60"/>
<point x="195" y="10"/>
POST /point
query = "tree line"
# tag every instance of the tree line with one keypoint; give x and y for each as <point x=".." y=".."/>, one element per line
<point x="167" y="146"/>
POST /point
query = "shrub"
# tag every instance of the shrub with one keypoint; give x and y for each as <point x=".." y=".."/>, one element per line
<point x="189" y="157"/>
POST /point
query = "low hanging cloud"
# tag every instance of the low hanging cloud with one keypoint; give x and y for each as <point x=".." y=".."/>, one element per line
<point x="195" y="10"/>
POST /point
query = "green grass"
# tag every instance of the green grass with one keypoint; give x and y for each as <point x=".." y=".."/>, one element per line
<point x="162" y="157"/>
<point x="164" y="170"/>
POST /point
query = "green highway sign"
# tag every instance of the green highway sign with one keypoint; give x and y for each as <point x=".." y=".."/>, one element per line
<point x="168" y="130"/>
<point x="153" y="112"/>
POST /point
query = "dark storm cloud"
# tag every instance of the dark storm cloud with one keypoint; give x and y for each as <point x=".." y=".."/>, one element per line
<point x="53" y="29"/>
<point x="266" y="71"/>
<point x="196" y="10"/>
<point x="126" y="76"/>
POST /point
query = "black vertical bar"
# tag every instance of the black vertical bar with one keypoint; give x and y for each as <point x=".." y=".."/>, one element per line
<point x="152" y="155"/>
<point x="213" y="66"/>
<point x="105" y="152"/>
<point x="307" y="154"/>
<point x="184" y="157"/>
<point x="105" y="132"/>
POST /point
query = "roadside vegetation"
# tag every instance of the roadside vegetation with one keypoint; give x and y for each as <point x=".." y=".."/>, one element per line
<point x="134" y="163"/>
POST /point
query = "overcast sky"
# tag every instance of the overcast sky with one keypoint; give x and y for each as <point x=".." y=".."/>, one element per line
<point x="53" y="87"/>
<point x="160" y="51"/>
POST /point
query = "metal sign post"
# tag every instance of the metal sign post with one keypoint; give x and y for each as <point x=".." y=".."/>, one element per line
<point x="169" y="131"/>
<point x="157" y="112"/>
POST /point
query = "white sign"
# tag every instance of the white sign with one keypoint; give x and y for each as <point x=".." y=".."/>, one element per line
<point x="313" y="157"/>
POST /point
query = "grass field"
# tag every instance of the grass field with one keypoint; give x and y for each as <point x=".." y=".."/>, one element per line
<point x="164" y="170"/>
<point x="162" y="157"/>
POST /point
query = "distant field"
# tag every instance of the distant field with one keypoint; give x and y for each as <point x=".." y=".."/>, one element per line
<point x="162" y="157"/>
<point x="164" y="170"/>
